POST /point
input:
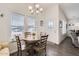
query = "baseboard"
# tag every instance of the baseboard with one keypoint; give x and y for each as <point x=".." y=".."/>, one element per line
<point x="51" y="43"/>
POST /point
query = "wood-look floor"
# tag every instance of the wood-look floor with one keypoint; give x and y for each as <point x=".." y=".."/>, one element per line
<point x="64" y="49"/>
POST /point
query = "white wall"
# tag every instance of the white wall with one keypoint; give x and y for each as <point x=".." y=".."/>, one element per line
<point x="62" y="31"/>
<point x="52" y="14"/>
<point x="4" y="26"/>
<point x="55" y="14"/>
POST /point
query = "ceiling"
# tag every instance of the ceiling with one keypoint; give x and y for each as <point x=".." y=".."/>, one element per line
<point x="46" y="6"/>
<point x="71" y="10"/>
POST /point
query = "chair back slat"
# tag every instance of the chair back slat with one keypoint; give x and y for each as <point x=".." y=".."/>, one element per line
<point x="19" y="53"/>
<point x="41" y="44"/>
<point x="42" y="41"/>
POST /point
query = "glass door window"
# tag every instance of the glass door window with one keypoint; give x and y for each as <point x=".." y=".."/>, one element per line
<point x="17" y="24"/>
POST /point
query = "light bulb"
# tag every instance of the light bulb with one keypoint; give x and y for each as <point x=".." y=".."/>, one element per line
<point x="41" y="9"/>
<point x="30" y="8"/>
<point x="37" y="5"/>
<point x="37" y="11"/>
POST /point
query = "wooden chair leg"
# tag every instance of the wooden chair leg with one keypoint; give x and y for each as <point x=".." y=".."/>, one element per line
<point x="19" y="53"/>
<point x="45" y="52"/>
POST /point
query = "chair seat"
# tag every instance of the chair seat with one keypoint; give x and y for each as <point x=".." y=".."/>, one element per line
<point x="39" y="48"/>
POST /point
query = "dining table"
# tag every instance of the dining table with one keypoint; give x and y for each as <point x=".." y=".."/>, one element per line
<point x="30" y="43"/>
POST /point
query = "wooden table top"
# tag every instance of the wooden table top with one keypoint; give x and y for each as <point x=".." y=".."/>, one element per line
<point x="31" y="39"/>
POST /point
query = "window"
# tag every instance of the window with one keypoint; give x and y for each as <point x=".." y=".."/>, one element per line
<point x="50" y="24"/>
<point x="17" y="24"/>
<point x="31" y="24"/>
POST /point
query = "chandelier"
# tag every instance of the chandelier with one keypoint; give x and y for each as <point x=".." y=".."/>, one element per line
<point x="35" y="9"/>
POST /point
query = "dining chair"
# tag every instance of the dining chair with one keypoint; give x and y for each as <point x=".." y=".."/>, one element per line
<point x="40" y="46"/>
<point x="19" y="53"/>
<point x="27" y="33"/>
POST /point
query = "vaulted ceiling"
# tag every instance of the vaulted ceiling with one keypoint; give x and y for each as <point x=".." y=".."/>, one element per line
<point x="71" y="10"/>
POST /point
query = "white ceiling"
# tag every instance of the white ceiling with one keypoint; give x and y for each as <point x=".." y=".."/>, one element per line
<point x="71" y="10"/>
<point x="43" y="5"/>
